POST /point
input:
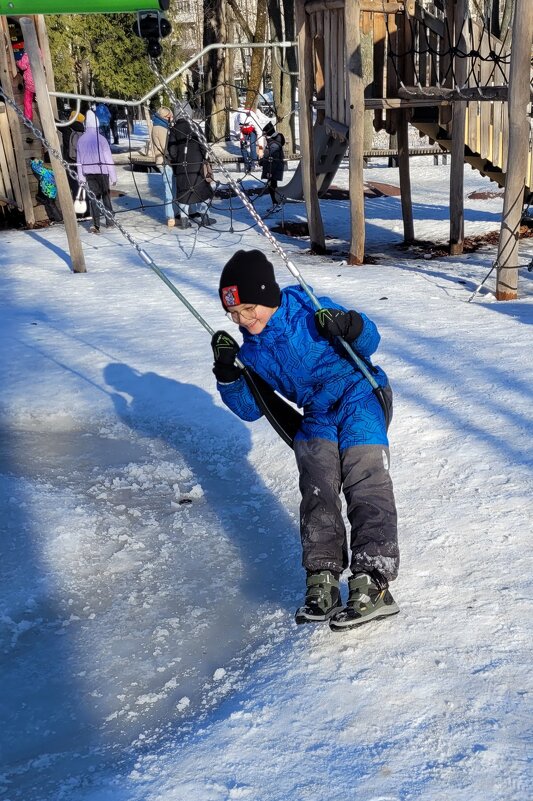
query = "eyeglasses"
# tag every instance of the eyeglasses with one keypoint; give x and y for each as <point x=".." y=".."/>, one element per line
<point x="248" y="313"/>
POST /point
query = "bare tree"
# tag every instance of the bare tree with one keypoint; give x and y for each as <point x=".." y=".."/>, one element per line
<point x="258" y="54"/>
<point x="215" y="101"/>
<point x="284" y="66"/>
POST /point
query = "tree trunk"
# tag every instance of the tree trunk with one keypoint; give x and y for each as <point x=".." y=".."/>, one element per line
<point x="282" y="82"/>
<point x="214" y="33"/>
<point x="258" y="56"/>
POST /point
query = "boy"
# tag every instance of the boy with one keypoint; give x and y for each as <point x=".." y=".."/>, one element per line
<point x="273" y="164"/>
<point x="342" y="441"/>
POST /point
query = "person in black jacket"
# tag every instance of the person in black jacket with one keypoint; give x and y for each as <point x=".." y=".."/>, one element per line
<point x="188" y="158"/>
<point x="70" y="135"/>
<point x="272" y="163"/>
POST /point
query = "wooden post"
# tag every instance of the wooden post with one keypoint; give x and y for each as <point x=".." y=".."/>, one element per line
<point x="457" y="210"/>
<point x="404" y="167"/>
<point x="356" y="102"/>
<point x="519" y="89"/>
<point x="44" y="44"/>
<point x="14" y="127"/>
<point x="50" y="131"/>
<point x="307" y="151"/>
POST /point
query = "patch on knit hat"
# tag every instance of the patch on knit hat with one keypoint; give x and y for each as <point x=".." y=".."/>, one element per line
<point x="230" y="296"/>
<point x="251" y="276"/>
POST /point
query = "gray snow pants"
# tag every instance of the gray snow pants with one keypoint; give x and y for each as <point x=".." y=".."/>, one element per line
<point x="362" y="471"/>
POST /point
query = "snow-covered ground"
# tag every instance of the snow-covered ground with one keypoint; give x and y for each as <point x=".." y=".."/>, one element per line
<point x="150" y="552"/>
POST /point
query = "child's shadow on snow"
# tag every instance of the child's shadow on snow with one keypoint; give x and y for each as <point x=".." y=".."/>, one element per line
<point x="214" y="443"/>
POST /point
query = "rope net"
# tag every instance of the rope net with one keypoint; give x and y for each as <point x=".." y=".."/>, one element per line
<point x="241" y="145"/>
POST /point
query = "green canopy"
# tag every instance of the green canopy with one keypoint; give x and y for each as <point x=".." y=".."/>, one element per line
<point x="80" y="6"/>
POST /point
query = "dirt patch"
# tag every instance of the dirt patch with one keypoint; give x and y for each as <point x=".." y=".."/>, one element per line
<point x="432" y="250"/>
<point x="291" y="229"/>
<point x="484" y="195"/>
<point x="371" y="189"/>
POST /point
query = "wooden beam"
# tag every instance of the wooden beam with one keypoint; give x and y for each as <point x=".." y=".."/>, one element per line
<point x="31" y="45"/>
<point x="406" y="69"/>
<point x="519" y="91"/>
<point x="8" y="165"/>
<point x="484" y="93"/>
<point x="44" y="44"/>
<point x="305" y="94"/>
<point x="24" y="194"/>
<point x="356" y="102"/>
<point x="457" y="169"/>
<point x="373" y="6"/>
<point x="399" y="103"/>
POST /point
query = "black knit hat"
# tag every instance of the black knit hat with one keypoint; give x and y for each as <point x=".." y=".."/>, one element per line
<point x="269" y="129"/>
<point x="248" y="277"/>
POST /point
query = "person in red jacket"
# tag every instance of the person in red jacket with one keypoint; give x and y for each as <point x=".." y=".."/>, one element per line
<point x="29" y="85"/>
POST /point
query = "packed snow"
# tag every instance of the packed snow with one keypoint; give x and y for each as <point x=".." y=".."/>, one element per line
<point x="150" y="549"/>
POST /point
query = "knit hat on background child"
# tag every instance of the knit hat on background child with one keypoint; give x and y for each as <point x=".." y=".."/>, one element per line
<point x="269" y="129"/>
<point x="248" y="277"/>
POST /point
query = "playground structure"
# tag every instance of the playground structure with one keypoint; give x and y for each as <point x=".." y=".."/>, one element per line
<point x="439" y="71"/>
<point x="436" y="69"/>
<point x="18" y="185"/>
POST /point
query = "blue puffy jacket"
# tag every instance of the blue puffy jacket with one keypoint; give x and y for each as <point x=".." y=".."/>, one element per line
<point x="300" y="364"/>
<point x="47" y="181"/>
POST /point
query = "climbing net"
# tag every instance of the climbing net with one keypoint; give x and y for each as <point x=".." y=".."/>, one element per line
<point x="205" y="144"/>
<point x="488" y="55"/>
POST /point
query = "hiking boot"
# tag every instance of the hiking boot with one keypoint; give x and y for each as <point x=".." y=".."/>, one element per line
<point x="171" y="222"/>
<point x="208" y="221"/>
<point x="183" y="223"/>
<point x="322" y="598"/>
<point x="369" y="599"/>
<point x="94" y="229"/>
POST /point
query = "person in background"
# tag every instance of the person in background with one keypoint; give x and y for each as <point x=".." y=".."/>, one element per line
<point x="103" y="116"/>
<point x="192" y="171"/>
<point x="47" y="194"/>
<point x="23" y="63"/>
<point x="273" y="163"/>
<point x="341" y="444"/>
<point x="161" y="122"/>
<point x="70" y="136"/>
<point x="96" y="167"/>
<point x="247" y="126"/>
<point x="113" y="110"/>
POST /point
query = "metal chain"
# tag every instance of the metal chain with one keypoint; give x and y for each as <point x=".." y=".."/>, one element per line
<point x="266" y="231"/>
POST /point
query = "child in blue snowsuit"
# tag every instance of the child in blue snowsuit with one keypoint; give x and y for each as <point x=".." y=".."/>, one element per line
<point x="47" y="193"/>
<point x="342" y="440"/>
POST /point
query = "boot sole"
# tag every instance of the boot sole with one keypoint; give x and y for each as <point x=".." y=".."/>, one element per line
<point x="379" y="614"/>
<point x="307" y="617"/>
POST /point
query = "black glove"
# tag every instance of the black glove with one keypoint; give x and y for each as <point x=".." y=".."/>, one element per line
<point x="331" y="323"/>
<point x="225" y="349"/>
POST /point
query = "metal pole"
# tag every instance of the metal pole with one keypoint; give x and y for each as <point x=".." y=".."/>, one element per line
<point x="171" y="77"/>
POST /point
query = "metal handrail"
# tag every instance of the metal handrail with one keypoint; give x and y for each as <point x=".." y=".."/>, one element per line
<point x="173" y="76"/>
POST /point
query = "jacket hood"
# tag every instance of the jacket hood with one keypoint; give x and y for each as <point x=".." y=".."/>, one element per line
<point x="161" y="121"/>
<point x="91" y="120"/>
